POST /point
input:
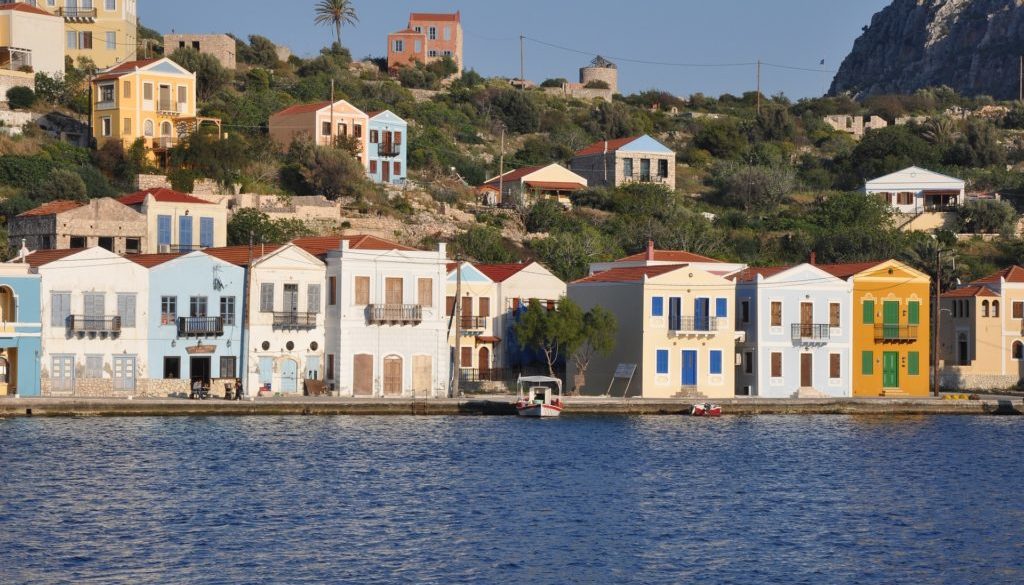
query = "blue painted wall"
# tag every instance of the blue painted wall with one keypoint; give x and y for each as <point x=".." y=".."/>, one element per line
<point x="388" y="122"/>
<point x="25" y="337"/>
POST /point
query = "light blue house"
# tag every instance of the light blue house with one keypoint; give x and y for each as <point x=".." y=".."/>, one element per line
<point x="20" y="329"/>
<point x="796" y="333"/>
<point x="196" y="319"/>
<point x="388" y="143"/>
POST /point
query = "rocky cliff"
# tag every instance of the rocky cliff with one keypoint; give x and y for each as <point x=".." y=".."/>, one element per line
<point x="973" y="46"/>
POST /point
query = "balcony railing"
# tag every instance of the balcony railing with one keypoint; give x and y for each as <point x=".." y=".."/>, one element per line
<point x="76" y="12"/>
<point x="810" y="332"/>
<point x="487" y="374"/>
<point x="200" y="326"/>
<point x="294" y="320"/>
<point x="702" y="324"/>
<point x="895" y="332"/>
<point x="388" y="149"/>
<point x="395" y="313"/>
<point x="167" y="106"/>
<point x="472" y="323"/>
<point x="94" y="324"/>
<point x="164" y="142"/>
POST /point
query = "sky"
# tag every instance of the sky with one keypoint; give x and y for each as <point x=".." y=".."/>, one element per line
<point x="672" y="33"/>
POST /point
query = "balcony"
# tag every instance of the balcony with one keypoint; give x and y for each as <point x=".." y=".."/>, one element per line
<point x="394" y="314"/>
<point x="167" y="107"/>
<point x="690" y="325"/>
<point x="469" y="323"/>
<point x="294" y="320"/>
<point x="810" y="332"/>
<point x="76" y="14"/>
<point x="388" y="149"/>
<point x="164" y="142"/>
<point x="200" y="326"/>
<point x="94" y="324"/>
<point x="896" y="332"/>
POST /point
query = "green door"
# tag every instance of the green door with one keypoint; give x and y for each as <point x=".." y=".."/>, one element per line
<point x="891" y="369"/>
<point x="891" y="319"/>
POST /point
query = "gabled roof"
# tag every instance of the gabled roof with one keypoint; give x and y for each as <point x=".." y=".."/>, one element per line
<point x="1011" y="274"/>
<point x="52" y="208"/>
<point x="633" y="274"/>
<point x="317" y="246"/>
<point x="302" y="109"/>
<point x="970" y="291"/>
<point x="435" y="16"/>
<point x="163" y="195"/>
<point x="917" y="175"/>
<point x="239" y="255"/>
<point x="681" y="256"/>
<point x="22" y="7"/>
<point x="126" y="68"/>
<point x="368" y="242"/>
<point x="606" y="146"/>
<point x="514" y="174"/>
<point x="151" y="260"/>
<point x="501" y="272"/>
<point x="849" y="269"/>
<point x="751" y="274"/>
<point x="43" y="257"/>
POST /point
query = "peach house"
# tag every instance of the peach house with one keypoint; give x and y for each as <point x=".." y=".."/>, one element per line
<point x="323" y="122"/>
<point x="427" y="38"/>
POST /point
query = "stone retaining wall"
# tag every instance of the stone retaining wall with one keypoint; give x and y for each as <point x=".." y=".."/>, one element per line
<point x="982" y="382"/>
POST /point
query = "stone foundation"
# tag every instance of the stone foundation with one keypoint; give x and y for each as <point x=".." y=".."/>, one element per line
<point x="144" y="388"/>
<point x="962" y="381"/>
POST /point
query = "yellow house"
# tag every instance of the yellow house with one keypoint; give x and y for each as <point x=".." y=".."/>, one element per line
<point x="30" y="43"/>
<point x="891" y="341"/>
<point x="153" y="99"/>
<point x="105" y="31"/>
<point x="675" y="337"/>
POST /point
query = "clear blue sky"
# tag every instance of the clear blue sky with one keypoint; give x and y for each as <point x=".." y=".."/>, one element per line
<point x="787" y="32"/>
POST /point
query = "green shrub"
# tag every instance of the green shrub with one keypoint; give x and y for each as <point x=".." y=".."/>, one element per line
<point x="24" y="171"/>
<point x="20" y="97"/>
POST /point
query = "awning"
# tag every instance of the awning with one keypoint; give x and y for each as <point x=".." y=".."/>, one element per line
<point x="941" y="192"/>
<point x="487" y="339"/>
<point x="555" y="186"/>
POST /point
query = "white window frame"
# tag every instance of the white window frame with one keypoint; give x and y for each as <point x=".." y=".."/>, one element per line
<point x="106" y="126"/>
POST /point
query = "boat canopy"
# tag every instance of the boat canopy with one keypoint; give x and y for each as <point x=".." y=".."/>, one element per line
<point x="540" y="380"/>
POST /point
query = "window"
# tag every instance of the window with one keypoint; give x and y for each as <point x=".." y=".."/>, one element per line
<point x="867" y="363"/>
<point x="313" y="298"/>
<point x="126" y="303"/>
<point x="133" y="246"/>
<point x="868" y="310"/>
<point x="776" y="314"/>
<point x="168" y="310"/>
<point x="266" y="297"/>
<point x="748" y="362"/>
<point x="657" y="306"/>
<point x="450" y="306"/>
<point x="663" y="168"/>
<point x="905" y="198"/>
<point x="485" y="306"/>
<point x="127" y="88"/>
<point x="913" y="313"/>
<point x="325" y="128"/>
<point x="1018" y="350"/>
<point x="425" y="292"/>
<point x="111" y="38"/>
<point x="645" y="169"/>
<point x="373" y="167"/>
<point x="182" y="96"/>
<point x="106" y="92"/>
<point x="93" y="366"/>
<point x="374" y="136"/>
<point x="126" y="127"/>
<point x="430" y="53"/>
<point x="745" y="311"/>
<point x="362" y="294"/>
<point x="984" y="308"/>
<point x="124" y="372"/>
<point x="147" y="91"/>
<point x="330" y="367"/>
<point x="995" y="308"/>
<point x="163" y="228"/>
<point x="205" y="232"/>
<point x="466" y="358"/>
<point x="110" y="5"/>
<point x="227" y="366"/>
<point x="399" y="46"/>
<point x="398" y="137"/>
<point x="62" y="372"/>
<point x="72" y="39"/>
<point x="721" y="307"/>
<point x="357" y="130"/>
<point x="661" y="366"/>
<point x="197" y="307"/>
<point x="227" y="310"/>
<point x="432" y="33"/>
<point x="105" y="126"/>
<point x="833" y="366"/>
<point x="60" y="308"/>
<point x="184" y="233"/>
<point x="147" y="128"/>
<point x="398" y="168"/>
<point x="627" y="167"/>
<point x="79" y="40"/>
<point x="833" y="315"/>
<point x="394" y="291"/>
<point x="776" y="364"/>
<point x="342" y="129"/>
<point x="715" y="362"/>
<point x="913" y="363"/>
<point x="1018" y="309"/>
<point x="332" y="290"/>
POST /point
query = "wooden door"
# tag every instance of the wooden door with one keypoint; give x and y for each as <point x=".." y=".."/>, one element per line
<point x="393" y="376"/>
<point x="393" y="291"/>
<point x="689" y="377"/>
<point x="467" y="312"/>
<point x="484" y="363"/>
<point x="806" y="319"/>
<point x="385" y="172"/>
<point x="289" y="376"/>
<point x="422" y="371"/>
<point x="362" y="375"/>
<point x="806" y="370"/>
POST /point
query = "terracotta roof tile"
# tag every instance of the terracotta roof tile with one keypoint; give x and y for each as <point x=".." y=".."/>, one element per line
<point x="151" y="260"/>
<point x="669" y="256"/>
<point x="21" y="7"/>
<point x="1011" y="274"/>
<point x="513" y="175"/>
<point x="434" y="16"/>
<point x="43" y="257"/>
<point x="53" y="207"/>
<point x="602" y="145"/>
<point x="750" y="274"/>
<point x="501" y="272"/>
<point x="239" y="255"/>
<point x="163" y="195"/>
<point x="317" y="246"/>
<point x="301" y="109"/>
<point x="123" y="69"/>
<point x="633" y="274"/>
<point x="848" y="269"/>
<point x="970" y="291"/>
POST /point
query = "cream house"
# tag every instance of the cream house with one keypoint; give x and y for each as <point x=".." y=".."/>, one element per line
<point x="529" y="184"/>
<point x="31" y="41"/>
<point x="477" y="309"/>
<point x="925" y="200"/>
<point x="178" y="222"/>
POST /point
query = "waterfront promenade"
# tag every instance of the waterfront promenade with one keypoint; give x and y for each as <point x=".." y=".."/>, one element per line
<point x="496" y="404"/>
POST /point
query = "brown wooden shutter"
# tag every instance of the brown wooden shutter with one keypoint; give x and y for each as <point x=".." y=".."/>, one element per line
<point x="330" y="366"/>
<point x="332" y="290"/>
<point x="776" y="314"/>
<point x="467" y="357"/>
<point x="833" y="315"/>
<point x="551" y="305"/>
<point x="833" y="365"/>
<point x="485" y="306"/>
<point x="362" y="374"/>
<point x="776" y="364"/>
<point x="393" y="293"/>
<point x="467" y="307"/>
<point x="450" y="306"/>
<point x="1018" y="310"/>
<point x="362" y="290"/>
<point x="425" y="294"/>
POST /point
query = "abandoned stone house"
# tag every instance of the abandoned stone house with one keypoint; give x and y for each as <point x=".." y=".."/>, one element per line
<point x="62" y="224"/>
<point x="222" y="47"/>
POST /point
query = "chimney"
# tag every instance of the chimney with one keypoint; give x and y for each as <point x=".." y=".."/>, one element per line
<point x="650" y="249"/>
<point x="814" y="258"/>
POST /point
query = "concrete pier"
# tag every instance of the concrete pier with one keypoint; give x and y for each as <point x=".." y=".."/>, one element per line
<point x="494" y="405"/>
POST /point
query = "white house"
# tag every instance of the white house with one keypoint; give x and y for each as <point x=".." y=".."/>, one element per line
<point x="915" y="190"/>
<point x="387" y="332"/>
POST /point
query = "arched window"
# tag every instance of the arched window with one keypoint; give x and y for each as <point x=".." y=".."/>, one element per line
<point x="995" y="308"/>
<point x="1018" y="350"/>
<point x="165" y="129"/>
<point x="147" y="128"/>
<point x="984" y="308"/>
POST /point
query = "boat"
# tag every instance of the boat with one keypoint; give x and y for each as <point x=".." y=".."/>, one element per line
<point x="706" y="409"/>
<point x="537" y="400"/>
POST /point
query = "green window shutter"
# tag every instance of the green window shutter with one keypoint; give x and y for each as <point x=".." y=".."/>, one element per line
<point x="913" y="363"/>
<point x="869" y="312"/>
<point x="867" y="363"/>
<point x="913" y="313"/>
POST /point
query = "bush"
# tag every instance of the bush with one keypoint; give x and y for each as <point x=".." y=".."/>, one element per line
<point x="597" y="84"/>
<point x="986" y="217"/>
<point x="24" y="171"/>
<point x="20" y="97"/>
<point x="481" y="244"/>
<point x="754" y="186"/>
<point x="554" y="82"/>
<point x="60" y="184"/>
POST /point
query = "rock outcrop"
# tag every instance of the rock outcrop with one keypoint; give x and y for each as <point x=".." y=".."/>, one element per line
<point x="972" y="46"/>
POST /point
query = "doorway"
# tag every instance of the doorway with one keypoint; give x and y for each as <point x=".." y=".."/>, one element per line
<point x="806" y="370"/>
<point x="806" y="321"/>
<point x="963" y="353"/>
<point x="291" y="298"/>
<point x="362" y="375"/>
<point x="689" y="367"/>
<point x="484" y="363"/>
<point x="289" y="376"/>
<point x="385" y="171"/>
<point x="200" y="368"/>
<point x="891" y="319"/>
<point x="393" y="376"/>
<point x="891" y="369"/>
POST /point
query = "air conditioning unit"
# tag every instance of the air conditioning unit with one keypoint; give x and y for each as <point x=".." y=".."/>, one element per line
<point x="163" y="249"/>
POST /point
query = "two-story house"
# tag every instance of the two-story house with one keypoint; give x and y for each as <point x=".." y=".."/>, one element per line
<point x="387" y="332"/>
<point x="635" y="159"/>
<point x="104" y="31"/>
<point x="324" y="123"/>
<point x="386" y="154"/>
<point x="675" y="334"/>
<point x="427" y="38"/>
<point x="63" y="224"/>
<point x="179" y="222"/>
<point x="20" y="347"/>
<point x="95" y="327"/>
<point x="925" y="200"/>
<point x="31" y="41"/>
<point x="796" y="324"/>
<point x="477" y="309"/>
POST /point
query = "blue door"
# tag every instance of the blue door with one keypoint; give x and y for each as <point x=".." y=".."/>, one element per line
<point x="266" y="372"/>
<point x="689" y="367"/>
<point x="701" y="311"/>
<point x="289" y="376"/>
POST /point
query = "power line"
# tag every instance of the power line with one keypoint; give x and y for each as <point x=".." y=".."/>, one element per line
<point x="641" y="61"/>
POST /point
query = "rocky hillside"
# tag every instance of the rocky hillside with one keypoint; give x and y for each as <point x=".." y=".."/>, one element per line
<point x="972" y="46"/>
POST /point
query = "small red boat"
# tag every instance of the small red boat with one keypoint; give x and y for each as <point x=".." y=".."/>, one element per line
<point x="706" y="409"/>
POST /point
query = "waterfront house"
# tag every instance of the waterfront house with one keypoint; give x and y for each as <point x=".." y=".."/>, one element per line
<point x="179" y="222"/>
<point x="427" y="38"/>
<point x="675" y="335"/>
<point x="981" y="342"/>
<point x="636" y="159"/>
<point x="797" y="331"/>
<point x="652" y="256"/>
<point x="64" y="224"/>
<point x="387" y="332"/>
<point x="20" y="348"/>
<point x="475" y="322"/>
<point x="891" y="342"/>
<point x="924" y="200"/>
<point x="388" y="144"/>
<point x="195" y="321"/>
<point x="95" y="323"/>
<point x="528" y="185"/>
<point x="323" y="123"/>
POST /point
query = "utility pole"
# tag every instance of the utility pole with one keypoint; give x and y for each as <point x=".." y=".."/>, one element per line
<point x="501" y="169"/>
<point x="522" y="64"/>
<point x="457" y="317"/>
<point x="332" y="113"/>
<point x="937" y="310"/>
<point x="1020" y="80"/>
<point x="243" y="352"/>
<point x="758" y="87"/>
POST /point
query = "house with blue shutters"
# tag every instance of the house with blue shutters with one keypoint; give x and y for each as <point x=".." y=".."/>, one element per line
<point x="20" y="328"/>
<point x="635" y="159"/>
<point x="195" y="320"/>
<point x="180" y="222"/>
<point x="388" y="143"/>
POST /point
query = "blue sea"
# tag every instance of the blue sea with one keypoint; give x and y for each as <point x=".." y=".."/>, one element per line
<point x="798" y="499"/>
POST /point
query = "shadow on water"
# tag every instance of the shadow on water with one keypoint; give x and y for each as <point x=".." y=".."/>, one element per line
<point x="1002" y="407"/>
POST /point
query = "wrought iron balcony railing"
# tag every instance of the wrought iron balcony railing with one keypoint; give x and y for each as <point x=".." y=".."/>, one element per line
<point x="472" y="323"/>
<point x="200" y="326"/>
<point x="394" y="313"/>
<point x="886" y="332"/>
<point x="388" y="149"/>
<point x="701" y="324"/>
<point x="294" y="320"/>
<point x="810" y="332"/>
<point x="94" y="324"/>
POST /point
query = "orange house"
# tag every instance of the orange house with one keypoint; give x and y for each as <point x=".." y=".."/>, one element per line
<point x="322" y="123"/>
<point x="427" y="38"/>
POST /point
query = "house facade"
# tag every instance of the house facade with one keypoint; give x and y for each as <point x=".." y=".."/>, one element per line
<point x="797" y="333"/>
<point x="105" y="31"/>
<point x="20" y="329"/>
<point x="63" y="224"/>
<point x="891" y="314"/>
<point x="427" y="38"/>
<point x="530" y="184"/>
<point x="636" y="159"/>
<point x="387" y="142"/>
<point x="323" y="123"/>
<point x="31" y="41"/>
<point x="675" y="331"/>
<point x="477" y="312"/>
<point x="927" y="200"/>
<point x="387" y="332"/>
<point x="178" y="222"/>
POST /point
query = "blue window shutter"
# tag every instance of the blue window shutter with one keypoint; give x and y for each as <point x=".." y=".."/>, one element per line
<point x="657" y="306"/>
<point x="185" y="233"/>
<point x="662" y="365"/>
<point x="721" y="307"/>
<point x="716" y="361"/>
<point x="163" y="230"/>
<point x="206" y="232"/>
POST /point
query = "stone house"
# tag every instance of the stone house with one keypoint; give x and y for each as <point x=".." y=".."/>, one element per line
<point x="62" y="224"/>
<point x="222" y="47"/>
<point x="636" y="159"/>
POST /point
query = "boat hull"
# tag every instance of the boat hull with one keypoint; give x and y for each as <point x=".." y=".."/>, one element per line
<point x="706" y="410"/>
<point x="538" y="410"/>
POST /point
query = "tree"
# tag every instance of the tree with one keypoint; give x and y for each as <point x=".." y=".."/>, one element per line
<point x="211" y="76"/>
<point x="483" y="244"/>
<point x="551" y="331"/>
<point x="554" y="82"/>
<point x="978" y="147"/>
<point x="336" y="13"/>
<point x="754" y="186"/>
<point x="884" y="151"/>
<point x="852" y="227"/>
<point x="21" y="97"/>
<point x="60" y="184"/>
<point x="597" y="338"/>
<point x="252" y="223"/>
<point x="986" y="217"/>
<point x="722" y="138"/>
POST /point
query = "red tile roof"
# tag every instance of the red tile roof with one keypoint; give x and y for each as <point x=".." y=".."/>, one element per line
<point x="53" y="207"/>
<point x="1011" y="274"/>
<point x="163" y="195"/>
<point x="750" y="274"/>
<point x="239" y="255"/>
<point x="124" y="69"/>
<point x="151" y="260"/>
<point x="501" y="272"/>
<point x="513" y="175"/>
<point x="302" y="109"/>
<point x="434" y="16"/>
<point x="669" y="256"/>
<point x="43" y="257"/>
<point x="606" y="145"/>
<point x="634" y="274"/>
<point x="317" y="246"/>
<point x="20" y="7"/>
<point x="969" y="291"/>
<point x="848" y="269"/>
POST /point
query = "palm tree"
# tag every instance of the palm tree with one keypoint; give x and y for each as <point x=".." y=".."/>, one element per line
<point x="336" y="13"/>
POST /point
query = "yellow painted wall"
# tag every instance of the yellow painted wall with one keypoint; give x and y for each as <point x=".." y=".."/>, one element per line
<point x="122" y="21"/>
<point x="130" y="104"/>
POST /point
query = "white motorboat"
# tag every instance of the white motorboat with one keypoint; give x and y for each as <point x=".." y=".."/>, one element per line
<point x="537" y="399"/>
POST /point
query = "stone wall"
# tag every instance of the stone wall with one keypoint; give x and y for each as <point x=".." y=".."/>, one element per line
<point x="222" y="47"/>
<point x="144" y="388"/>
<point x="951" y="379"/>
<point x="9" y="79"/>
<point x="147" y="182"/>
<point x="582" y="93"/>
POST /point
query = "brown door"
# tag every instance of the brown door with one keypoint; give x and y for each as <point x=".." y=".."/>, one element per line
<point x="362" y="375"/>
<point x="806" y="319"/>
<point x="806" y="370"/>
<point x="385" y="172"/>
<point x="484" y="363"/>
<point x="467" y="312"/>
<point x="421" y="373"/>
<point x="393" y="376"/>
<point x="393" y="291"/>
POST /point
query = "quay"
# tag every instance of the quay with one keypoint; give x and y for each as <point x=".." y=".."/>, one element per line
<point x="496" y="405"/>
